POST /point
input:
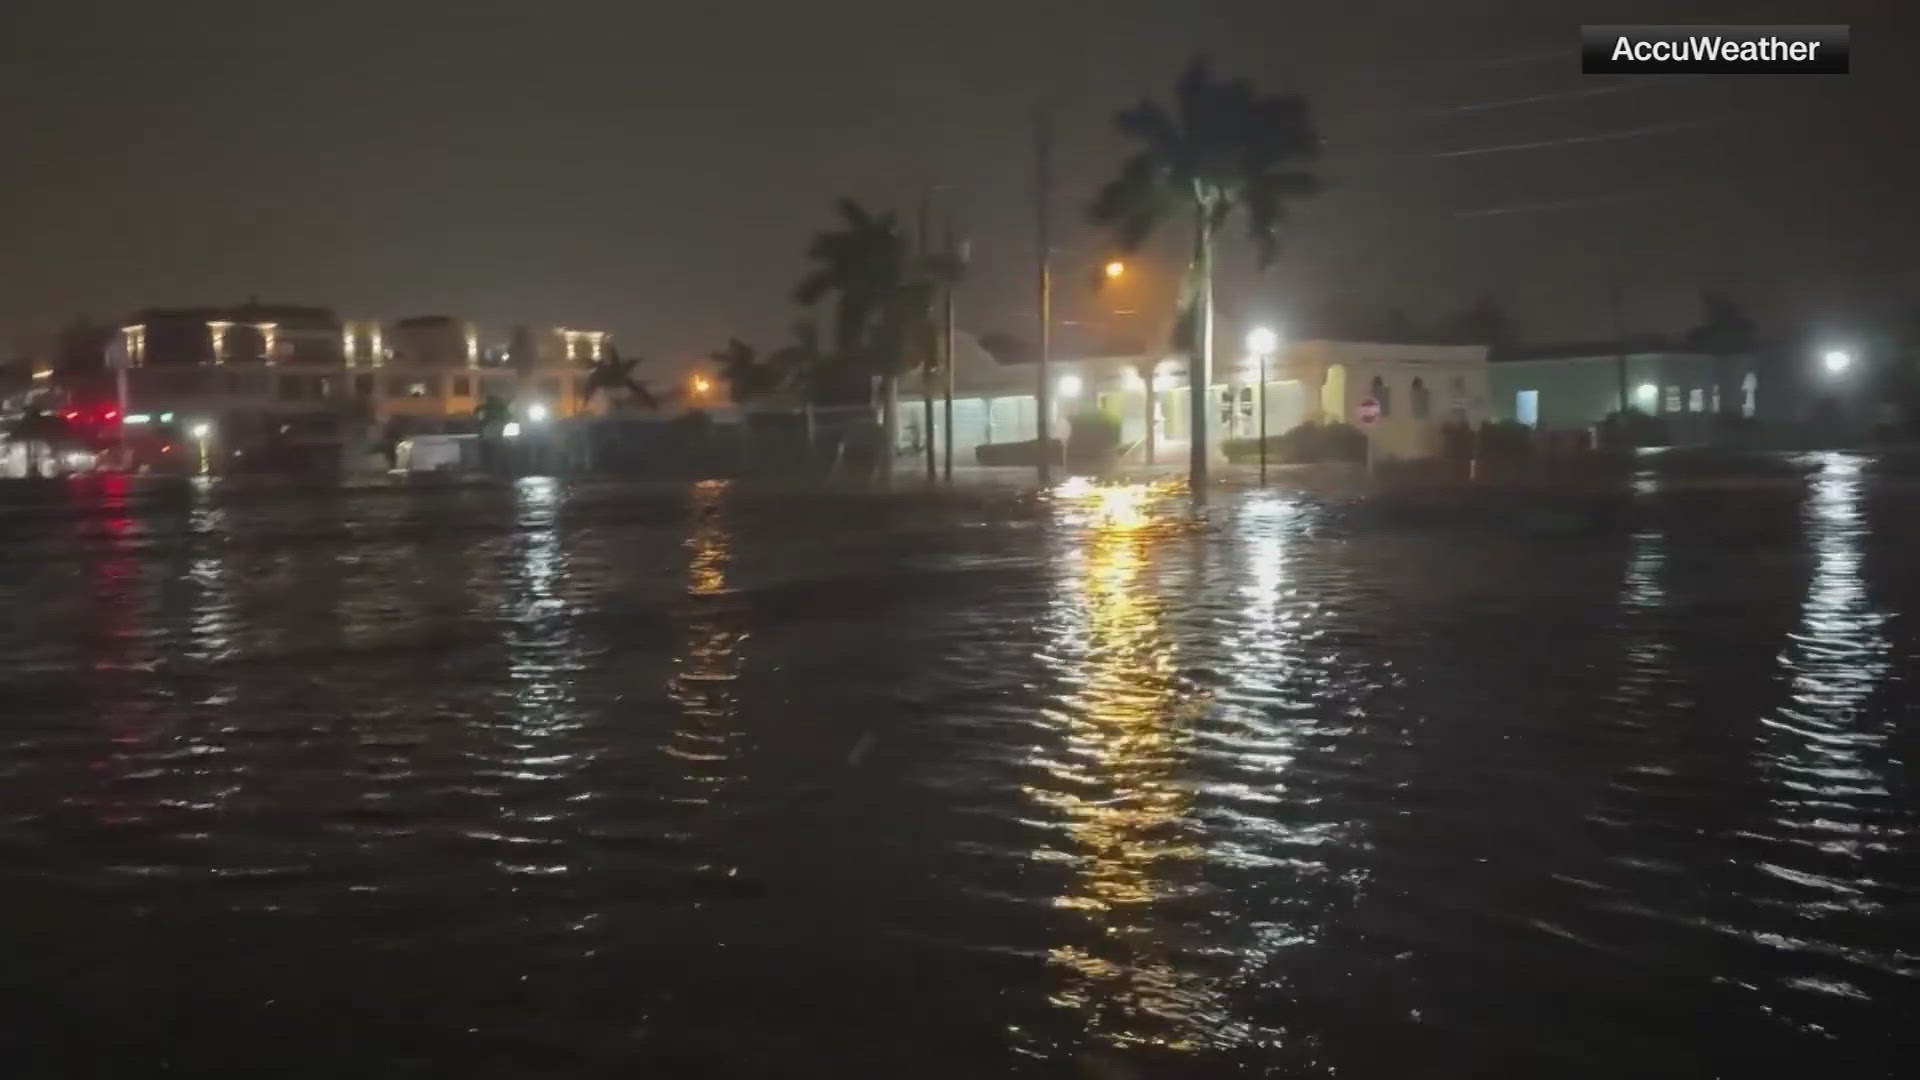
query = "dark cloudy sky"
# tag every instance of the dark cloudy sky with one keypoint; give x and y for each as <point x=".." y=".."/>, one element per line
<point x="656" y="168"/>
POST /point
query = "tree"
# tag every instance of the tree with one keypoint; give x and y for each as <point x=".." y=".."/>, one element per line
<point x="611" y="373"/>
<point x="1483" y="322"/>
<point x="1724" y="331"/>
<point x="749" y="376"/>
<point x="882" y="308"/>
<point x="1222" y="147"/>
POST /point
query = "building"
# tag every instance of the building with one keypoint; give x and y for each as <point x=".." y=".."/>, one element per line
<point x="1419" y="389"/>
<point x="280" y="380"/>
<point x="1576" y="386"/>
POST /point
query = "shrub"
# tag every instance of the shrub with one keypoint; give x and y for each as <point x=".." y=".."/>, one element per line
<point x="1303" y="444"/>
<point x="1093" y="438"/>
<point x="1018" y="453"/>
<point x="1622" y="431"/>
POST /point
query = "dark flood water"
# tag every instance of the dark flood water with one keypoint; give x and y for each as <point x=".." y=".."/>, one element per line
<point x="552" y="780"/>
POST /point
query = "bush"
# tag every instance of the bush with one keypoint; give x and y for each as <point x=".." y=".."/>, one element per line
<point x="1504" y="440"/>
<point x="1623" y="431"/>
<point x="1093" y="438"/>
<point x="1018" y="453"/>
<point x="1304" y="444"/>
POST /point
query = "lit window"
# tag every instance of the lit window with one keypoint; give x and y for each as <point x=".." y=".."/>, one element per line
<point x="1696" y="400"/>
<point x="1673" y="399"/>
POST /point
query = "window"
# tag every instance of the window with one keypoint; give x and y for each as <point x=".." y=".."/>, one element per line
<point x="1378" y="392"/>
<point x="462" y="386"/>
<point x="1459" y="388"/>
<point x="1748" y="386"/>
<point x="1716" y="400"/>
<point x="1526" y="407"/>
<point x="363" y="386"/>
<point x="406" y="386"/>
<point x="1673" y="399"/>
<point x="1696" y="400"/>
<point x="1422" y="401"/>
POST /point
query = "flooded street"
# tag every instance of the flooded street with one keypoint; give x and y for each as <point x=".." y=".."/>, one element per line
<point x="582" y="779"/>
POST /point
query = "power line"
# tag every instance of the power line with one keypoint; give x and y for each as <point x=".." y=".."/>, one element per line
<point x="1604" y="136"/>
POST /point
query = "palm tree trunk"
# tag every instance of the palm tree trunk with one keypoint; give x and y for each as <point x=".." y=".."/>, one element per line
<point x="889" y="426"/>
<point x="812" y="434"/>
<point x="1200" y="367"/>
<point x="926" y="432"/>
<point x="1151" y="403"/>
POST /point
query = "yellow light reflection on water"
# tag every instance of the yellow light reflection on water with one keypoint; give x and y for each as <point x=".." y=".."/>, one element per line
<point x="705" y="670"/>
<point x="1115" y="786"/>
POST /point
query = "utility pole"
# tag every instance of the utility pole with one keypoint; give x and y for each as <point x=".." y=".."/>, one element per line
<point x="1620" y="344"/>
<point x="927" y="362"/>
<point x="1043" y="258"/>
<point x="947" y="350"/>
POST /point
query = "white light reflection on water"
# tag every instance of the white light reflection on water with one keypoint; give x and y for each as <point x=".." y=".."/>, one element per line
<point x="1824" y="763"/>
<point x="537" y="744"/>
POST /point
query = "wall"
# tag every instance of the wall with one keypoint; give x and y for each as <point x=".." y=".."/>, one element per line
<point x="1579" y="392"/>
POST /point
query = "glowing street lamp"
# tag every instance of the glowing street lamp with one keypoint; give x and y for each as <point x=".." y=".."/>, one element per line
<point x="201" y="432"/>
<point x="701" y="385"/>
<point x="537" y="413"/>
<point x="1069" y="386"/>
<point x="1837" y="361"/>
<point x="1261" y="341"/>
<point x="1115" y="269"/>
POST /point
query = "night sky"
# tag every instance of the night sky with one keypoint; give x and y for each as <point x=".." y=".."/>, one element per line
<point x="656" y="168"/>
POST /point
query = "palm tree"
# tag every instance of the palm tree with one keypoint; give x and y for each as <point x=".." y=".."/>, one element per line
<point x="748" y="375"/>
<point x="612" y="373"/>
<point x="1222" y="147"/>
<point x="882" y="307"/>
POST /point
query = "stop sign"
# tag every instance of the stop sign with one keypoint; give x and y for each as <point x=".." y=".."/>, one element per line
<point x="1368" y="411"/>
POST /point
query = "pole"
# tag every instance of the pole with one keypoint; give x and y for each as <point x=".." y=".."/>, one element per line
<point x="932" y="358"/>
<point x="1200" y="368"/>
<point x="947" y="354"/>
<point x="1620" y="346"/>
<point x="1262" y="360"/>
<point x="1043" y="258"/>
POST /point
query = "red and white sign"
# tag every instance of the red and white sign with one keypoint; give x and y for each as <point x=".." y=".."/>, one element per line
<point x="1367" y="411"/>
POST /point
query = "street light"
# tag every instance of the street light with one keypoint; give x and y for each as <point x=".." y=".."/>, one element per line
<point x="537" y="413"/>
<point x="1069" y="386"/>
<point x="1837" y="361"/>
<point x="201" y="432"/>
<point x="1115" y="268"/>
<point x="701" y="384"/>
<point x="1261" y="341"/>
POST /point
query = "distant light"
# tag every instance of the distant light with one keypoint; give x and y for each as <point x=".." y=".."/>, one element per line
<point x="69" y="415"/>
<point x="166" y="418"/>
<point x="1261" y="340"/>
<point x="110" y="414"/>
<point x="511" y="430"/>
<point x="78" y="460"/>
<point x="1116" y="268"/>
<point x="1069" y="386"/>
<point x="43" y="373"/>
<point x="1837" y="361"/>
<point x="166" y="448"/>
<point x="702" y="384"/>
<point x="201" y="431"/>
<point x="537" y="412"/>
<point x="138" y="418"/>
<point x="1647" y="392"/>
